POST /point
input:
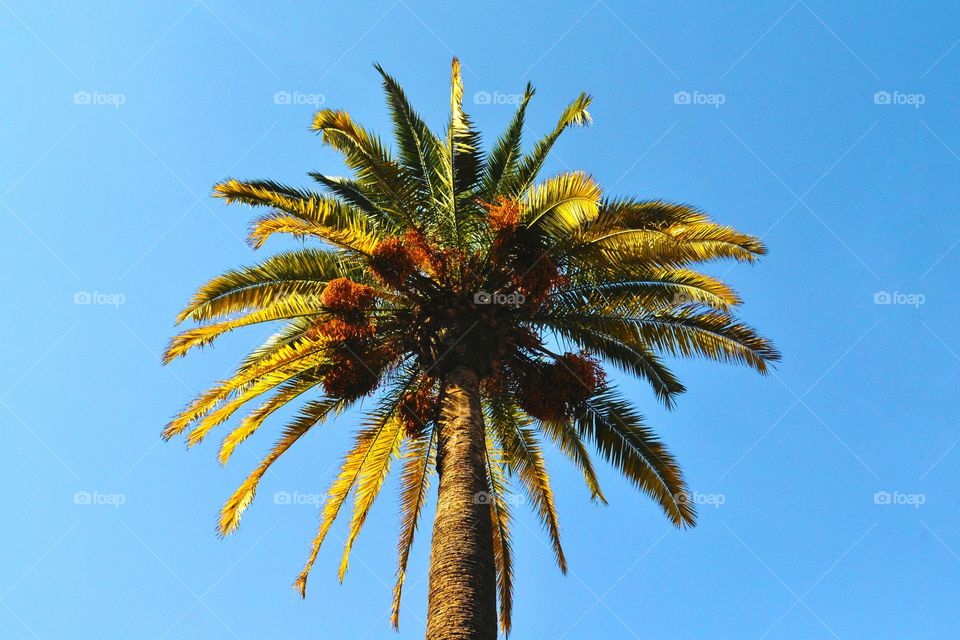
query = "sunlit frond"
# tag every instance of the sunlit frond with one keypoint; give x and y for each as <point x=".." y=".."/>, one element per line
<point x="372" y="164"/>
<point x="575" y="115"/>
<point x="368" y="444"/>
<point x="302" y="273"/>
<point x="523" y="456"/>
<point x="419" y="461"/>
<point x="312" y="414"/>
<point x="561" y="205"/>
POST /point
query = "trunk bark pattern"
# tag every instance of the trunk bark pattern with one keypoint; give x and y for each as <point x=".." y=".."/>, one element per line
<point x="462" y="602"/>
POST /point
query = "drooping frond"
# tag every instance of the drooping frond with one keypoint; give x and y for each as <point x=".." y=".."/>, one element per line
<point x="254" y="420"/>
<point x="500" y="522"/>
<point x="311" y="414"/>
<point x="290" y="359"/>
<point x="618" y="433"/>
<point x="522" y="455"/>
<point x="373" y="472"/>
<point x="661" y="233"/>
<point x="419" y="461"/>
<point x="618" y="343"/>
<point x="368" y="445"/>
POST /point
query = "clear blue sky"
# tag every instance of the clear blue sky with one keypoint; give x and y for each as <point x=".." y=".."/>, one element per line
<point x="118" y="118"/>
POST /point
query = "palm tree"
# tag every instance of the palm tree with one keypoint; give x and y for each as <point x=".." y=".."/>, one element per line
<point x="469" y="309"/>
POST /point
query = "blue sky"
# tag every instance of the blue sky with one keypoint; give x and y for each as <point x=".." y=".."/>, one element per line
<point x="829" y="507"/>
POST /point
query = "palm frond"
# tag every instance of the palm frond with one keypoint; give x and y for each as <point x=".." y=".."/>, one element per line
<point x="311" y="414"/>
<point x="368" y="444"/>
<point x="419" y="461"/>
<point x="575" y="115"/>
<point x="503" y="158"/>
<point x="500" y="523"/>
<point x="618" y="433"/>
<point x="522" y="454"/>
<point x="372" y="164"/>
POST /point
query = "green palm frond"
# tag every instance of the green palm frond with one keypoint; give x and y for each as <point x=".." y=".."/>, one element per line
<point x="618" y="433"/>
<point x="500" y="174"/>
<point x="575" y="115"/>
<point x="420" y="149"/>
<point x="375" y="170"/>
<point x="500" y="521"/>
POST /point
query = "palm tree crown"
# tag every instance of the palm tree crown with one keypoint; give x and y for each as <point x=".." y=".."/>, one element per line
<point x="442" y="258"/>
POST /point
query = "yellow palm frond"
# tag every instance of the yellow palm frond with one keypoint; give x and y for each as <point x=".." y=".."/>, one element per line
<point x="419" y="461"/>
<point x="562" y="205"/>
<point x="302" y="273"/>
<point x="373" y="472"/>
<point x="293" y="306"/>
<point x="367" y="442"/>
<point x="522" y="454"/>
<point x="310" y="415"/>
<point x="293" y="358"/>
<point x="252" y="421"/>
<point x="301" y="213"/>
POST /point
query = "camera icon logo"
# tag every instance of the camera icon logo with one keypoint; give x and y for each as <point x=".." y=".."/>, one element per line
<point x="82" y="297"/>
<point x="482" y="97"/>
<point x="481" y="497"/>
<point x="482" y="297"/>
<point x="82" y="97"/>
<point x="281" y="497"/>
<point x="81" y="497"/>
<point x="882" y="97"/>
<point x="281" y="97"/>
<point x="682" y="97"/>
<point x="881" y="497"/>
<point x="882" y="297"/>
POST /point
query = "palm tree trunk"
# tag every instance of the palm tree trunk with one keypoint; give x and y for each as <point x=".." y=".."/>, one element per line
<point x="462" y="603"/>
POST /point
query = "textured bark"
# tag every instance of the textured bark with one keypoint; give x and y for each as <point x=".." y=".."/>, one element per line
<point x="463" y="593"/>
